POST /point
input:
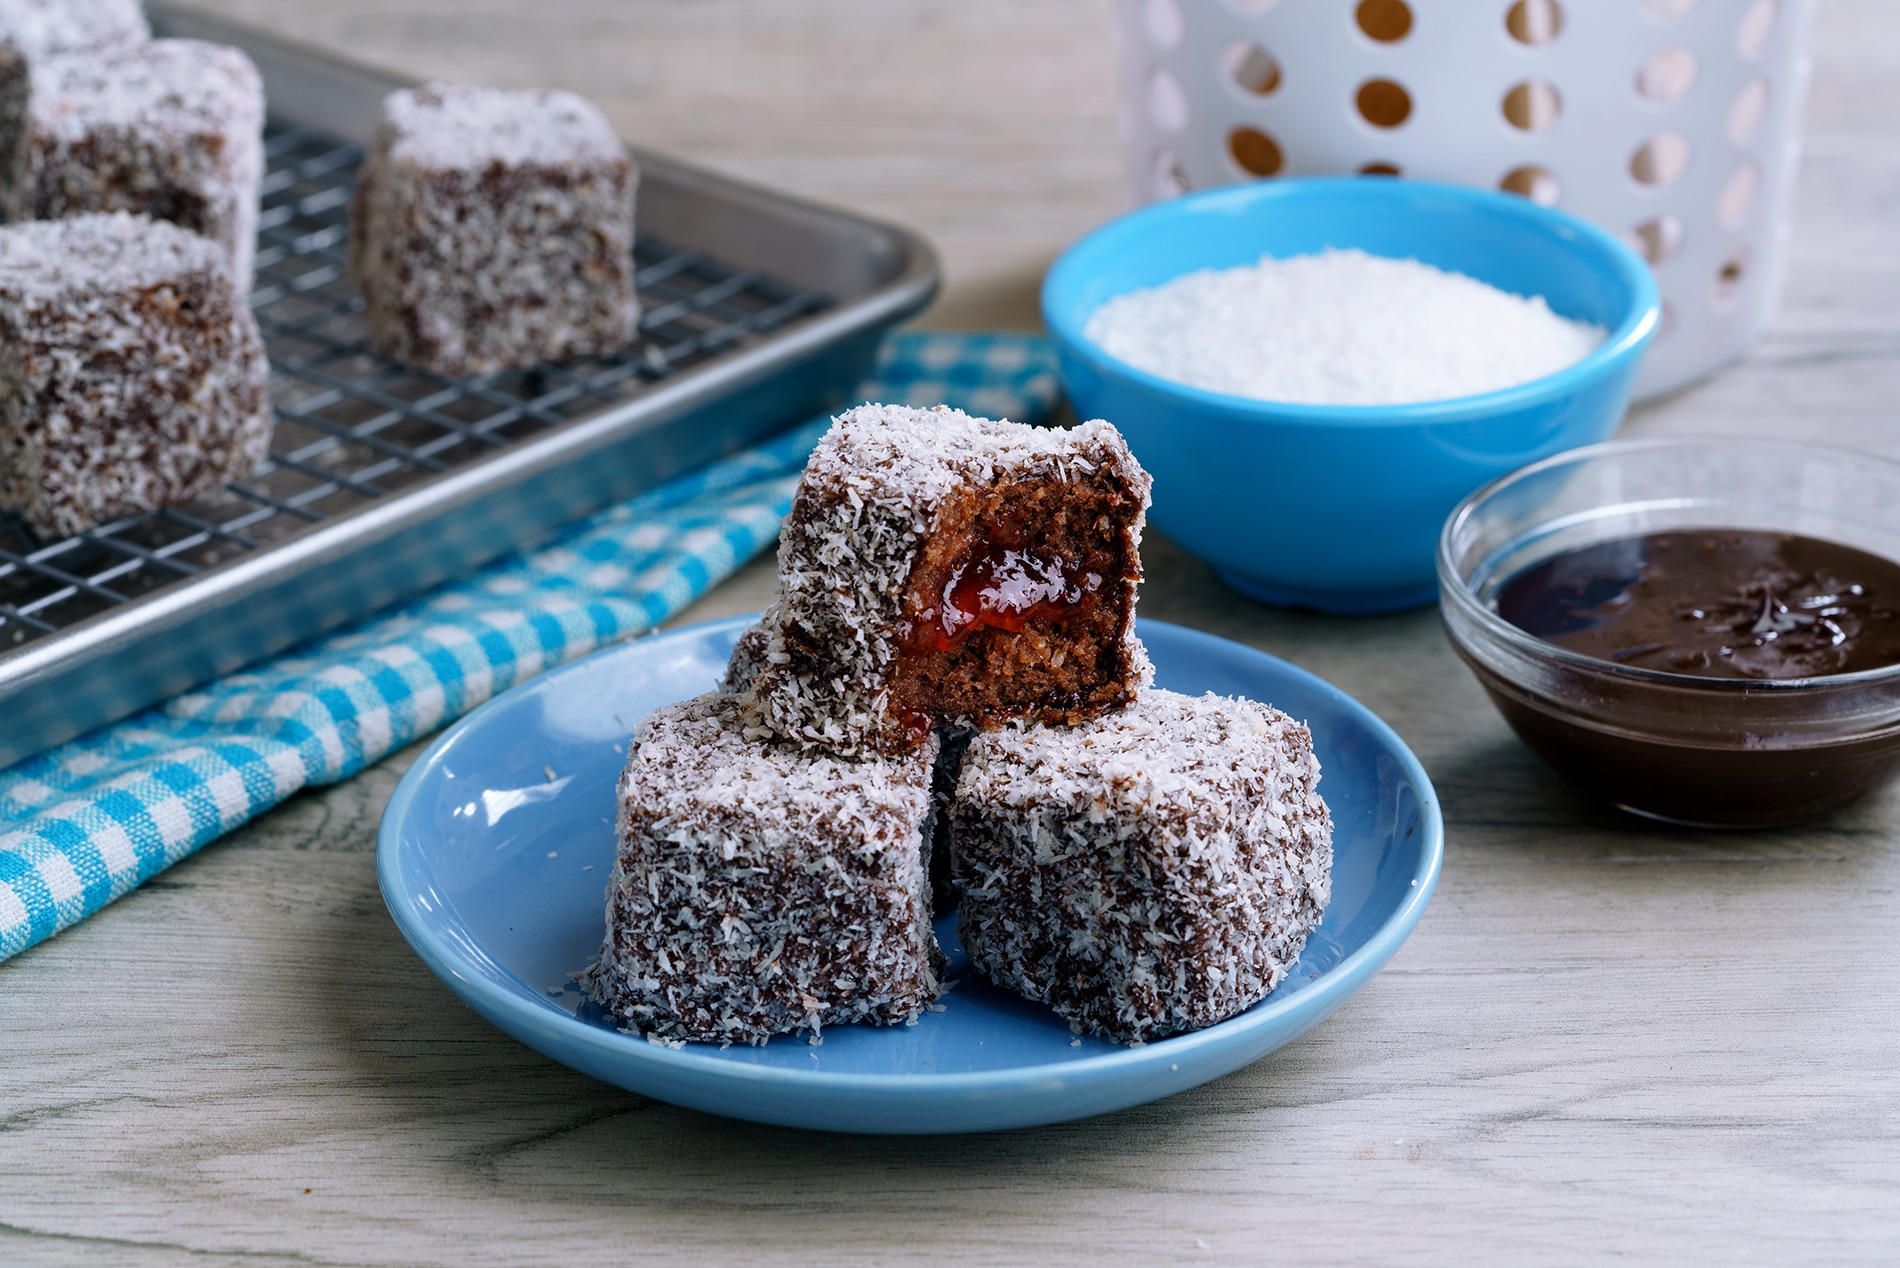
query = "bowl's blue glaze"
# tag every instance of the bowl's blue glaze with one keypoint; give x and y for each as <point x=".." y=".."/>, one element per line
<point x="1330" y="506"/>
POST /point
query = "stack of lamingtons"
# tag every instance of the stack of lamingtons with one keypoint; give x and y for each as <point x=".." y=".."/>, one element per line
<point x="492" y="229"/>
<point x="950" y="669"/>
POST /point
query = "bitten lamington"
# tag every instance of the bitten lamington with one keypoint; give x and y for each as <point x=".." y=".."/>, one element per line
<point x="760" y="890"/>
<point x="494" y="229"/>
<point x="131" y="371"/>
<point x="172" y="129"/>
<point x="943" y="569"/>
<point x="1155" y="871"/>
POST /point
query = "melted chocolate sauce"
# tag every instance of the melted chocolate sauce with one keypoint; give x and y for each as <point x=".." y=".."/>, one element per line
<point x="1716" y="603"/>
<point x="1707" y="603"/>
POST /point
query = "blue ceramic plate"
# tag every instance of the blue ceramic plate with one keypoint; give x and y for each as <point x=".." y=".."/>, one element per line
<point x="495" y="850"/>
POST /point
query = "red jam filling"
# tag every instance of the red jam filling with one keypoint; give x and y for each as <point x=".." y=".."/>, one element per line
<point x="1005" y="590"/>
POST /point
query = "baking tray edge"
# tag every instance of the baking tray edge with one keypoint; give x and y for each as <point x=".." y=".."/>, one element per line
<point x="128" y="658"/>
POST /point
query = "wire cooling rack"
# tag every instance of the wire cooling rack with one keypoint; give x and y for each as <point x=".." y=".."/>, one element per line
<point x="353" y="427"/>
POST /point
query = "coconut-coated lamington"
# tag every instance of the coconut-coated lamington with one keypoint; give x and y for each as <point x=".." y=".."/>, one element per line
<point x="132" y="375"/>
<point x="172" y="129"/>
<point x="760" y="889"/>
<point x="1155" y="871"/>
<point x="939" y="569"/>
<point x="42" y="28"/>
<point x="32" y="30"/>
<point x="494" y="229"/>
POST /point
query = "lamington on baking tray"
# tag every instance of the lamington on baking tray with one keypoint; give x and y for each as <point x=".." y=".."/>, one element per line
<point x="494" y="229"/>
<point x="132" y="375"/>
<point x="172" y="129"/>
<point x="939" y="569"/>
<point x="1151" y="872"/>
<point x="759" y="889"/>
<point x="43" y="28"/>
<point x="32" y="30"/>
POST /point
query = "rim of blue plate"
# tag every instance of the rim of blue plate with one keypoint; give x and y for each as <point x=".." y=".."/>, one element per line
<point x="1124" y="232"/>
<point x="528" y="1012"/>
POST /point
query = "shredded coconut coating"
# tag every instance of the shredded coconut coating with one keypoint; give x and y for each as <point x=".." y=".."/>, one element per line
<point x="172" y="129"/>
<point x="1153" y="872"/>
<point x="34" y="29"/>
<point x="41" y="28"/>
<point x="494" y="229"/>
<point x="867" y="502"/>
<point x="749" y="653"/>
<point x="132" y="375"/>
<point x="761" y="890"/>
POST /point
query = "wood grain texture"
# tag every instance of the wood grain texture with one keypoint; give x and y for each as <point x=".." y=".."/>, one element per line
<point x="1606" y="1040"/>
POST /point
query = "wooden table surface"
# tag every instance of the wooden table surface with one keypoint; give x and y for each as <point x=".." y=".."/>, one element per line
<point x="1605" y="1040"/>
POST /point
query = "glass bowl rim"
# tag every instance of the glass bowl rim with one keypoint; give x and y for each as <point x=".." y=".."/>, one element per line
<point x="1455" y="592"/>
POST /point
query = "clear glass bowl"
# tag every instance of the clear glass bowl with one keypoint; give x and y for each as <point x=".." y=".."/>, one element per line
<point x="1707" y="752"/>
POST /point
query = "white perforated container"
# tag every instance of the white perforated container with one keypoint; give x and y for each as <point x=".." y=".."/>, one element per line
<point x="1675" y="123"/>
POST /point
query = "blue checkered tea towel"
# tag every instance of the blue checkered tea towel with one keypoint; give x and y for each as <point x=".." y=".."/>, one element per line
<point x="83" y="823"/>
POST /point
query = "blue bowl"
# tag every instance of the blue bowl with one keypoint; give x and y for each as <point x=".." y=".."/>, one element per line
<point x="1338" y="507"/>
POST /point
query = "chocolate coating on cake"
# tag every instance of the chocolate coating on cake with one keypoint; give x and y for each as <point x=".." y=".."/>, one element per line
<point x="172" y="129"/>
<point x="943" y="569"/>
<point x="34" y="29"/>
<point x="749" y="653"/>
<point x="132" y="375"/>
<point x="1154" y="871"/>
<point x="760" y="889"/>
<point x="494" y="229"/>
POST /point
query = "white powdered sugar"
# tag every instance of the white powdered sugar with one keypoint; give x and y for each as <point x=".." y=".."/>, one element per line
<point x="38" y="28"/>
<point x="1339" y="328"/>
<point x="460" y="125"/>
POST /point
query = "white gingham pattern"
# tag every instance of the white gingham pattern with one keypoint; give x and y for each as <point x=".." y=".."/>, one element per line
<point x="83" y="823"/>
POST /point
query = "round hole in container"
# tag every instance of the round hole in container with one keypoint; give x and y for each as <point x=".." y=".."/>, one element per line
<point x="1387" y="21"/>
<point x="1668" y="9"/>
<point x="1532" y="106"/>
<point x="1751" y="103"/>
<point x="1167" y="102"/>
<point x="1251" y="68"/>
<point x="1729" y="278"/>
<point x="1534" y="21"/>
<point x="1666" y="75"/>
<point x="1170" y="178"/>
<point x="1758" y="23"/>
<point x="1383" y="103"/>
<point x="1255" y="152"/>
<point x="1661" y="159"/>
<point x="1657" y="239"/>
<point x="1738" y="195"/>
<point x="1165" y="26"/>
<point x="1538" y="184"/>
<point x="1381" y="169"/>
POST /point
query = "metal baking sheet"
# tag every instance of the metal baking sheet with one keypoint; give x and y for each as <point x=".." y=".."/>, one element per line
<point x="758" y="310"/>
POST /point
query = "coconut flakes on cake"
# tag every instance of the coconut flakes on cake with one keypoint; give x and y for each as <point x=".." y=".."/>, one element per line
<point x="1151" y="872"/>
<point x="889" y="497"/>
<point x="760" y="890"/>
